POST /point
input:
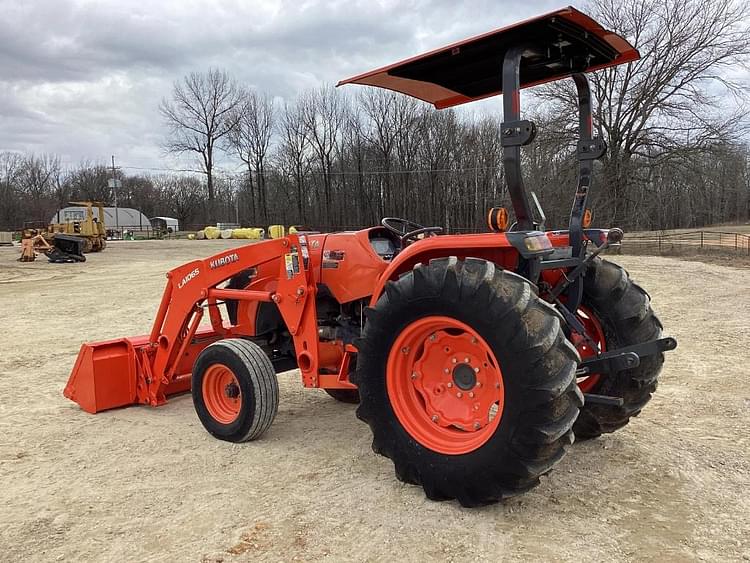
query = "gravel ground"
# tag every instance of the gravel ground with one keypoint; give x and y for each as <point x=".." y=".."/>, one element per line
<point x="149" y="484"/>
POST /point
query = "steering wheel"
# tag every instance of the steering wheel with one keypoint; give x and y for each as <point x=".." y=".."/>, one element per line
<point x="408" y="230"/>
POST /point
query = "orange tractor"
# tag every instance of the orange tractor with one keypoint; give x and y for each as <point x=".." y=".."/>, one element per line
<point x="474" y="358"/>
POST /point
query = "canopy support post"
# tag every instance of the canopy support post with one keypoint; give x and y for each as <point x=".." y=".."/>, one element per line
<point x="588" y="150"/>
<point x="514" y="134"/>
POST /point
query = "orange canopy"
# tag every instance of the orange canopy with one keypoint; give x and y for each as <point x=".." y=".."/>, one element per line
<point x="559" y="44"/>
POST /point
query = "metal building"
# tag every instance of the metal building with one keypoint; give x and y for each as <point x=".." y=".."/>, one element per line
<point x="127" y="217"/>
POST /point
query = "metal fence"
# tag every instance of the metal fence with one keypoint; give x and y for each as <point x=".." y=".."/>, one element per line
<point x="689" y="241"/>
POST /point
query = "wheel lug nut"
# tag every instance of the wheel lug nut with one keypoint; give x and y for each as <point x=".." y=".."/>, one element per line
<point x="450" y="385"/>
<point x="459" y="394"/>
<point x="435" y="418"/>
<point x="446" y="370"/>
<point x="476" y="370"/>
<point x="466" y="360"/>
<point x="454" y="360"/>
<point x="471" y="394"/>
<point x="414" y="375"/>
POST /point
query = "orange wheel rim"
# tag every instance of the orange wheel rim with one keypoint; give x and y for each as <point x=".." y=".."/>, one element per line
<point x="585" y="349"/>
<point x="221" y="393"/>
<point x="445" y="385"/>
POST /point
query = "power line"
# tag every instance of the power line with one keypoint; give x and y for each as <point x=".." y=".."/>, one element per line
<point x="332" y="173"/>
<point x="156" y="169"/>
<point x="237" y="174"/>
<point x="413" y="171"/>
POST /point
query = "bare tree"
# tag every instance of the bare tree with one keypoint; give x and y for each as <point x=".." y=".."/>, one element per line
<point x="89" y="181"/>
<point x="37" y="180"/>
<point x="183" y="197"/>
<point x="251" y="140"/>
<point x="201" y="112"/>
<point x="667" y="100"/>
<point x="10" y="203"/>
<point x="293" y="151"/>
<point x="380" y="109"/>
<point x="323" y="115"/>
<point x="409" y="122"/>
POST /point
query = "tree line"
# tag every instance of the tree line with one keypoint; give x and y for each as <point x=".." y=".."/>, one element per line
<point x="335" y="158"/>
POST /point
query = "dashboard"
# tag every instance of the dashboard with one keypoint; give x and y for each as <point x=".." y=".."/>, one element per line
<point x="385" y="244"/>
<point x="383" y="247"/>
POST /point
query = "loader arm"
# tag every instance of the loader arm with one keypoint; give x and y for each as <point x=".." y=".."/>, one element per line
<point x="146" y="369"/>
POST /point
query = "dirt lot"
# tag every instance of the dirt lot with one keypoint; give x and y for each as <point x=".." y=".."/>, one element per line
<point x="151" y="484"/>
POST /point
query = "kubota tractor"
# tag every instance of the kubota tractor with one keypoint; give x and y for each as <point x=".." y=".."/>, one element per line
<point x="474" y="358"/>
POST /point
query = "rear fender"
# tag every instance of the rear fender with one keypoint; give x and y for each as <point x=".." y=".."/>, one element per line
<point x="494" y="247"/>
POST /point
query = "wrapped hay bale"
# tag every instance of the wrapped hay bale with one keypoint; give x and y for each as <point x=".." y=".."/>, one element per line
<point x="248" y="233"/>
<point x="200" y="235"/>
<point x="191" y="236"/>
<point x="225" y="233"/>
<point x="276" y="231"/>
<point x="212" y="233"/>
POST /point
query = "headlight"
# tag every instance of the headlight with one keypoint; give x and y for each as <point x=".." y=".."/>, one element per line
<point x="536" y="243"/>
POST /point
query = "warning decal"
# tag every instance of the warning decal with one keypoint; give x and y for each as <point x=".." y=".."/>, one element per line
<point x="291" y="262"/>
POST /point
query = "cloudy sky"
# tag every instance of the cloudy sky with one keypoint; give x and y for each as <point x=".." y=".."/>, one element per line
<point x="83" y="79"/>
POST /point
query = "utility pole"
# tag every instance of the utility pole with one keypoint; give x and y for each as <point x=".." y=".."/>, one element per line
<point x="114" y="183"/>
<point x="237" y="208"/>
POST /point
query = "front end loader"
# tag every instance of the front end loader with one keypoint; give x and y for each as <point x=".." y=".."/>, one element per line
<point x="475" y="358"/>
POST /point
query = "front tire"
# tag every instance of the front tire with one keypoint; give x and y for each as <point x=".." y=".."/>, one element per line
<point x="235" y="390"/>
<point x="467" y="381"/>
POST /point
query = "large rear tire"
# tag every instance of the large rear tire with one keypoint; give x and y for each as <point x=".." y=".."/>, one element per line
<point x="622" y="312"/>
<point x="235" y="390"/>
<point x="467" y="381"/>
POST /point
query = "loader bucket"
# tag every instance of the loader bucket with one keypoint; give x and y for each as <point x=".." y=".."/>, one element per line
<point x="104" y="375"/>
<point x="116" y="373"/>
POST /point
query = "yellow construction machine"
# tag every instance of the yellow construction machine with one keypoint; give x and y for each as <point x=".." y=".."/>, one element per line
<point x="91" y="229"/>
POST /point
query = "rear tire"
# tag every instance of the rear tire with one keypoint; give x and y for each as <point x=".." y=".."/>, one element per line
<point x="539" y="398"/>
<point x="623" y="309"/>
<point x="235" y="390"/>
